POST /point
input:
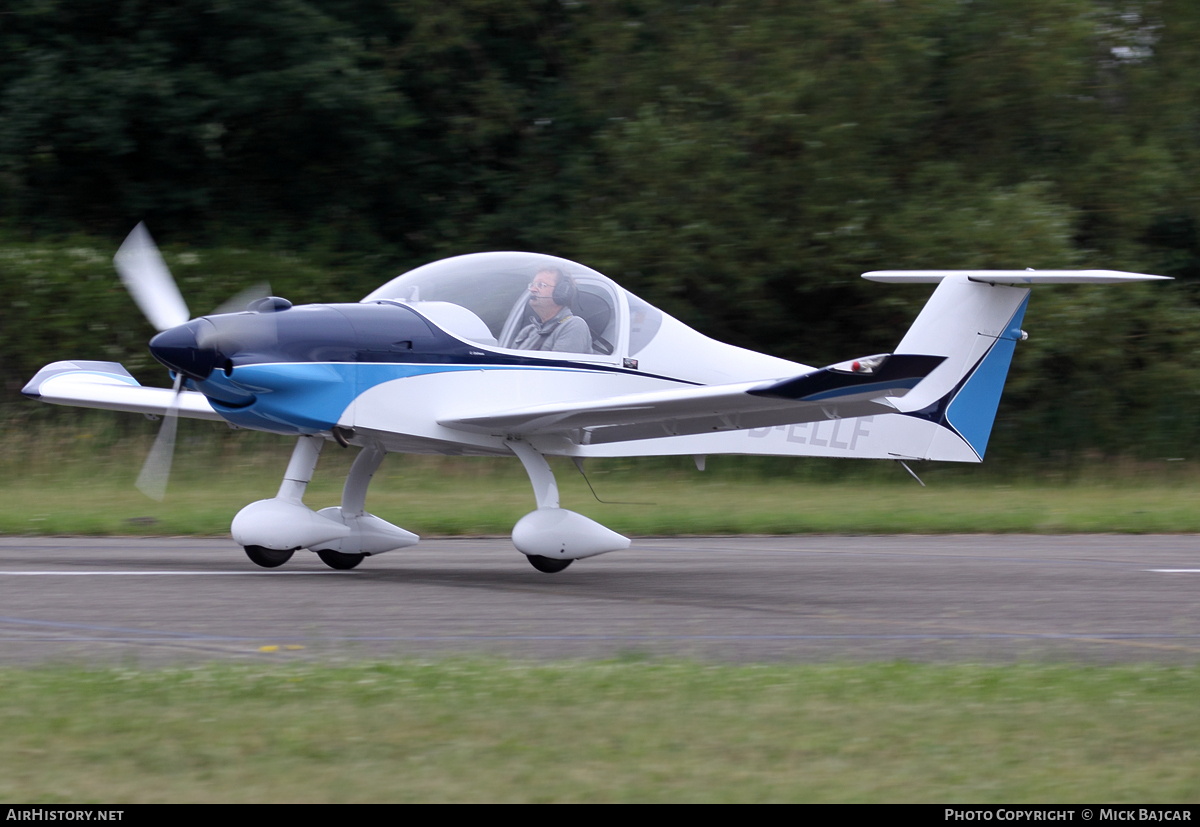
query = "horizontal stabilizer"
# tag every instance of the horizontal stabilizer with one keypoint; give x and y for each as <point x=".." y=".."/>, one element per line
<point x="1011" y="277"/>
<point x="108" y="386"/>
<point x="974" y="319"/>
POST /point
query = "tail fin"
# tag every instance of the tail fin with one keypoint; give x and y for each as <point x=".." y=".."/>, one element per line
<point x="973" y="319"/>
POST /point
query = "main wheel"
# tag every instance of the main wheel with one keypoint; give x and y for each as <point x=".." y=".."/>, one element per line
<point x="548" y="564"/>
<point x="268" y="558"/>
<point x="339" y="560"/>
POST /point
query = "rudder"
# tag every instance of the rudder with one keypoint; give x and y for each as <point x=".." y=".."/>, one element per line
<point x="976" y="327"/>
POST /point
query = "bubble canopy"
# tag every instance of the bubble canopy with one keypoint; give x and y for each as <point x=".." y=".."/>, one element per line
<point x="485" y="298"/>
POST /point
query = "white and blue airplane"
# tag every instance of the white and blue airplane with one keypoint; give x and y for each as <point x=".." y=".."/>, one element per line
<point x="438" y="361"/>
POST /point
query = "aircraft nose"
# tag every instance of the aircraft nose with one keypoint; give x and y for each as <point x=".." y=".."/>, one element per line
<point x="179" y="349"/>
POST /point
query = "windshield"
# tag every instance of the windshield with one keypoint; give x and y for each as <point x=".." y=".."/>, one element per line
<point x="523" y="301"/>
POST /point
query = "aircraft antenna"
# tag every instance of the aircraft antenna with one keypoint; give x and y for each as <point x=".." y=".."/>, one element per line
<point x="911" y="471"/>
<point x="579" y="464"/>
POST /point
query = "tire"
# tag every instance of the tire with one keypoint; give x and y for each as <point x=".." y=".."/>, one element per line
<point x="268" y="558"/>
<point x="339" y="560"/>
<point x="548" y="565"/>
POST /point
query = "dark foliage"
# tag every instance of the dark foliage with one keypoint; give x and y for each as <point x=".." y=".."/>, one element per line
<point x="738" y="164"/>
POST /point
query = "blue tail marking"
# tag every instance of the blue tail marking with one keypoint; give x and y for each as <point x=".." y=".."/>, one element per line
<point x="969" y="409"/>
<point x="972" y="411"/>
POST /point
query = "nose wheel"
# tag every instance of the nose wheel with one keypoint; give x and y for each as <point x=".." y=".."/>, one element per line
<point x="268" y="558"/>
<point x="547" y="564"/>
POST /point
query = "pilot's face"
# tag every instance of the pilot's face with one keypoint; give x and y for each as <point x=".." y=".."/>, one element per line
<point x="541" y="290"/>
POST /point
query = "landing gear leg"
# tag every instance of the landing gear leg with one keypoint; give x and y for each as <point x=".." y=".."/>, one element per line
<point x="354" y="503"/>
<point x="354" y="492"/>
<point x="552" y="537"/>
<point x="291" y="492"/>
<point x="300" y="468"/>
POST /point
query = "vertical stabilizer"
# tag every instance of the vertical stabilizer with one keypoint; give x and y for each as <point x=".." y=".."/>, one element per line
<point x="976" y="327"/>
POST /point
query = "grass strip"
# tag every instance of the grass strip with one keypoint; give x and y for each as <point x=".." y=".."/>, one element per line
<point x="462" y="503"/>
<point x="627" y="730"/>
<point x="78" y="479"/>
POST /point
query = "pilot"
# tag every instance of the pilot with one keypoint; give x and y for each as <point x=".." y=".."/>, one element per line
<point x="552" y="325"/>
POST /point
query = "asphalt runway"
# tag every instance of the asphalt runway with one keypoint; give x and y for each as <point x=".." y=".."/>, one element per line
<point x="1086" y="598"/>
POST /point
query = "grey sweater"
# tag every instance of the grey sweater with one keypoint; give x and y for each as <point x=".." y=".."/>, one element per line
<point x="564" y="332"/>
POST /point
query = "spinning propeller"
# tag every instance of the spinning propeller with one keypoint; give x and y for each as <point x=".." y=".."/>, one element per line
<point x="148" y="280"/>
<point x="145" y="275"/>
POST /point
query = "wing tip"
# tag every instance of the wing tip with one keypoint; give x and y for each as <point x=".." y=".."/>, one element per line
<point x="33" y="387"/>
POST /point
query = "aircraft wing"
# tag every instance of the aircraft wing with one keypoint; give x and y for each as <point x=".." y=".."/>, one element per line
<point x="848" y="389"/>
<point x="109" y="386"/>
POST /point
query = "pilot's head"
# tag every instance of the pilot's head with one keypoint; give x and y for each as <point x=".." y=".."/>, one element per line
<point x="551" y="288"/>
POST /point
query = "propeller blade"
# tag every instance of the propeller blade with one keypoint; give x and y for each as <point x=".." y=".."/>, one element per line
<point x="152" y="481"/>
<point x="148" y="280"/>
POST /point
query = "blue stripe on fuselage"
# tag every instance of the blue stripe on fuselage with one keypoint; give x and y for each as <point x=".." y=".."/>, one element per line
<point x="307" y="397"/>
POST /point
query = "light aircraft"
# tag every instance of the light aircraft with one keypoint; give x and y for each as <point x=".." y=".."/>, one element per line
<point x="428" y="364"/>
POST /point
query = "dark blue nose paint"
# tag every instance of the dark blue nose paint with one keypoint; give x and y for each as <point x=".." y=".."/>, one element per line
<point x="181" y="350"/>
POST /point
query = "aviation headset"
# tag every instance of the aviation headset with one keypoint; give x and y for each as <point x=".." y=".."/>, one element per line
<point x="565" y="289"/>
